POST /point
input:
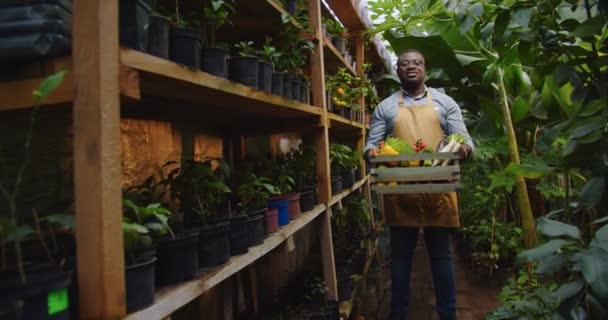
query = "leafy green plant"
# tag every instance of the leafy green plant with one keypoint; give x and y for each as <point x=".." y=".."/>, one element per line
<point x="334" y="27"/>
<point x="302" y="163"/>
<point x="245" y="49"/>
<point x="269" y="52"/>
<point x="255" y="192"/>
<point x="339" y="156"/>
<point x="295" y="50"/>
<point x="12" y="228"/>
<point x="215" y="15"/>
<point x="199" y="184"/>
<point x="140" y="225"/>
<point x="346" y="89"/>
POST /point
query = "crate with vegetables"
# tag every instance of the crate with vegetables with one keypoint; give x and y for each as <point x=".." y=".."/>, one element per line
<point x="404" y="168"/>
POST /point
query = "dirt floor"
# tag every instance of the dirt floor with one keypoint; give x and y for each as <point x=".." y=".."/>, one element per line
<point x="474" y="301"/>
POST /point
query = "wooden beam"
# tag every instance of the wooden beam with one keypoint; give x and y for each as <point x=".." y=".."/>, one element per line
<point x="97" y="171"/>
<point x="327" y="256"/>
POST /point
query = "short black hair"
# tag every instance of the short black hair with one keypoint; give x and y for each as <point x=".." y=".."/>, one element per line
<point x="409" y="50"/>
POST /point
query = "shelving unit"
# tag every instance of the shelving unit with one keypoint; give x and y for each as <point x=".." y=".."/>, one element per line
<point x="107" y="83"/>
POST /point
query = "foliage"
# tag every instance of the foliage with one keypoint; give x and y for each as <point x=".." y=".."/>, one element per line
<point x="334" y="27"/>
<point x="339" y="156"/>
<point x="245" y="49"/>
<point x="346" y="89"/>
<point x="215" y="15"/>
<point x="269" y="52"/>
<point x="255" y="192"/>
<point x="301" y="162"/>
<point x="199" y="184"/>
<point x="294" y="49"/>
<point x="141" y="224"/>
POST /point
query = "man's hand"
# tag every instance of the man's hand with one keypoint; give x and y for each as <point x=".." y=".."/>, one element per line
<point x="371" y="153"/>
<point x="465" y="151"/>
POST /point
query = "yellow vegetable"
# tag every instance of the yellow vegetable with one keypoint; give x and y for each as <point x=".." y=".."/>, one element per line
<point x="388" y="150"/>
<point x="340" y="91"/>
<point x="393" y="183"/>
<point x="414" y="163"/>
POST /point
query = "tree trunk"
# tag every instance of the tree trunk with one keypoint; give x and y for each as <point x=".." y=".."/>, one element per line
<point x="521" y="190"/>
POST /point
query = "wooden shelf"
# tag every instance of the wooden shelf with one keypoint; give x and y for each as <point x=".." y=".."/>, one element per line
<point x="168" y="299"/>
<point x="335" y="199"/>
<point x="334" y="60"/>
<point x="342" y="124"/>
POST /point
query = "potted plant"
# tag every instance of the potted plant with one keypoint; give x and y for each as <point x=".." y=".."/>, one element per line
<point x="284" y="181"/>
<point x="295" y="54"/>
<point x="253" y="195"/>
<point x="267" y="79"/>
<point x="28" y="281"/>
<point x="215" y="56"/>
<point x="140" y="225"/>
<point x="184" y="42"/>
<point x="200" y="188"/>
<point x="244" y="65"/>
<point x="134" y="18"/>
<point x="303" y="162"/>
<point x="177" y="249"/>
<point x="338" y="156"/>
<point x="337" y="32"/>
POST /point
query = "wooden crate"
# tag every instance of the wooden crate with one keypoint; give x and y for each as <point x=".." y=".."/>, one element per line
<point x="416" y="179"/>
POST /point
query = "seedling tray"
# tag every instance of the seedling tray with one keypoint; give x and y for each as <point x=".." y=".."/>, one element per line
<point x="416" y="179"/>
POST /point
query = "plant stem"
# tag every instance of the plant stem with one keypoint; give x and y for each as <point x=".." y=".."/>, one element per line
<point x="521" y="190"/>
<point x="40" y="236"/>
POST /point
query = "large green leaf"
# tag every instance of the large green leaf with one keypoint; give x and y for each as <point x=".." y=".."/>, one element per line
<point x="530" y="171"/>
<point x="569" y="289"/>
<point x="551" y="264"/>
<point x="47" y="86"/>
<point x="20" y="233"/>
<point x="593" y="190"/>
<point x="519" y="110"/>
<point x="594" y="267"/>
<point x="554" y="228"/>
<point x="602" y="234"/>
<point x="63" y="221"/>
<point x="589" y="125"/>
<point x="522" y="16"/>
<point x="593" y="107"/>
<point x="590" y="27"/>
<point x="544" y="250"/>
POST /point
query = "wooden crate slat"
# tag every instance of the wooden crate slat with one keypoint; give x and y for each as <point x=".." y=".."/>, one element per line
<point x="417" y="188"/>
<point x="416" y="156"/>
<point x="415" y="174"/>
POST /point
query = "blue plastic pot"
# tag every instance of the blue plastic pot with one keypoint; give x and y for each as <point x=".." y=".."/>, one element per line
<point x="283" y="207"/>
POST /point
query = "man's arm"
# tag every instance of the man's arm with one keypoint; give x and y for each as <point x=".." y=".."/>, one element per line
<point x="377" y="132"/>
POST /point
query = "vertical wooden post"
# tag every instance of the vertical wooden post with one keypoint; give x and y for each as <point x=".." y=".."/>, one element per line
<point x="360" y="59"/>
<point x="327" y="255"/>
<point x="97" y="151"/>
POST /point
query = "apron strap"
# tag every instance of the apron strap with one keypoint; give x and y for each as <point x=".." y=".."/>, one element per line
<point x="429" y="99"/>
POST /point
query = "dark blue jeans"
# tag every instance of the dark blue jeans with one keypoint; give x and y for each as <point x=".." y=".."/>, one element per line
<point x="403" y="243"/>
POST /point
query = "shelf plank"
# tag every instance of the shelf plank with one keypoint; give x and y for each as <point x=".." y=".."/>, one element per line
<point x="341" y="123"/>
<point x="334" y="60"/>
<point x="347" y="14"/>
<point x="346" y="192"/>
<point x="163" y="78"/>
<point x="168" y="299"/>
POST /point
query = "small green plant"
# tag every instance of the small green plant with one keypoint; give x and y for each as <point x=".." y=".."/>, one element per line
<point x="245" y="49"/>
<point x="12" y="229"/>
<point x="339" y="156"/>
<point x="301" y="161"/>
<point x="215" y="15"/>
<point x="255" y="192"/>
<point x="269" y="52"/>
<point x="334" y="27"/>
<point x="141" y="225"/>
<point x="199" y="184"/>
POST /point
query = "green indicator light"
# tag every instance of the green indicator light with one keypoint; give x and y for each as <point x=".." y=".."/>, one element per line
<point x="58" y="301"/>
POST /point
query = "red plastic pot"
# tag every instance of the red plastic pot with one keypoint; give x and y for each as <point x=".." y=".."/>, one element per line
<point x="293" y="200"/>
<point x="272" y="220"/>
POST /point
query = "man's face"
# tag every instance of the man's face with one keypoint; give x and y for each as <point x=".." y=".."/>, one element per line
<point x="410" y="68"/>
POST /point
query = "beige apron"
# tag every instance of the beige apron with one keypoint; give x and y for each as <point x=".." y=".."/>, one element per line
<point x="423" y="209"/>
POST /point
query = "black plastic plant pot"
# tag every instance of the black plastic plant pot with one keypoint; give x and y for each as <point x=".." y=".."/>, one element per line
<point x="305" y="92"/>
<point x="291" y="6"/>
<point x="215" y="62"/>
<point x="33" y="46"/>
<point x="239" y="235"/>
<point x="214" y="245"/>
<point x="348" y="178"/>
<point x="134" y="17"/>
<point x="185" y="47"/>
<point x="307" y="200"/>
<point x="44" y="296"/>
<point x="296" y="89"/>
<point x="277" y="83"/>
<point x="177" y="259"/>
<point x="65" y="4"/>
<point x="265" y="76"/>
<point x="256" y="225"/>
<point x="339" y="43"/>
<point x="140" y="280"/>
<point x="245" y="70"/>
<point x="336" y="184"/>
<point x="158" y="37"/>
<point x="287" y="86"/>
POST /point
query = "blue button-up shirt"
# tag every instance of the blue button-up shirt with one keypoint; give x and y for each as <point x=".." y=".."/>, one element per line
<point x="450" y="115"/>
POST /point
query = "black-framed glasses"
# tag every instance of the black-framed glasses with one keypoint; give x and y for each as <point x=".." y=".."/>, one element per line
<point x="413" y="62"/>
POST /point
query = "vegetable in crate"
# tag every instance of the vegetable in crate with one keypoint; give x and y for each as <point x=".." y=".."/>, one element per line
<point x="455" y="141"/>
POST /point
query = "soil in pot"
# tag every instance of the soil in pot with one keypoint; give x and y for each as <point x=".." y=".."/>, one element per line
<point x="45" y="282"/>
<point x="140" y="280"/>
<point x="296" y="89"/>
<point x="256" y="223"/>
<point x="185" y="47"/>
<point x="245" y="70"/>
<point x="272" y="220"/>
<point x="134" y="18"/>
<point x="214" y="245"/>
<point x="158" y="37"/>
<point x="215" y="61"/>
<point x="339" y="43"/>
<point x="336" y="184"/>
<point x="277" y="83"/>
<point x="265" y="76"/>
<point x="239" y="234"/>
<point x="348" y="178"/>
<point x="177" y="258"/>
<point x="283" y="207"/>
